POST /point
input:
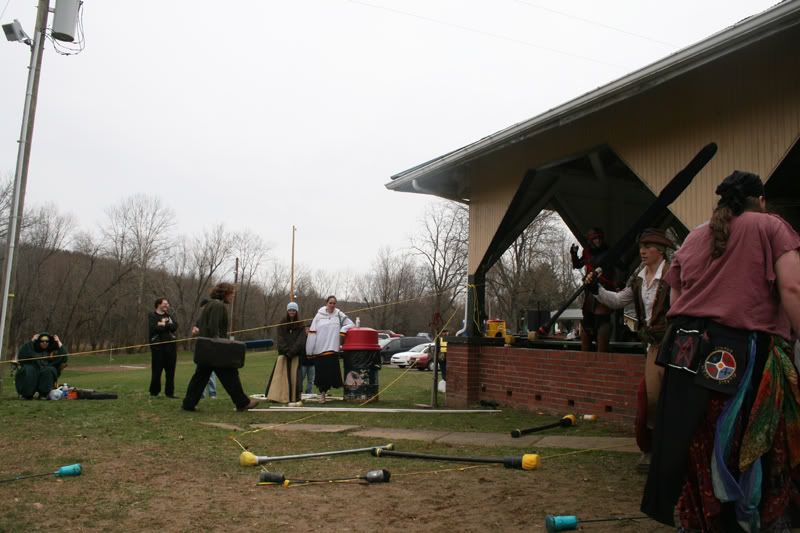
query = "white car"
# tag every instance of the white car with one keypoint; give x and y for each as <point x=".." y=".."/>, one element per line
<point x="401" y="359"/>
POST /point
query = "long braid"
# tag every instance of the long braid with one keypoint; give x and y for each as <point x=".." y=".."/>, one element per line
<point x="738" y="193"/>
<point x="720" y="226"/>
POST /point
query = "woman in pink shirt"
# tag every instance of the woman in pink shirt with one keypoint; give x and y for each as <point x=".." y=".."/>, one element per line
<point x="727" y="437"/>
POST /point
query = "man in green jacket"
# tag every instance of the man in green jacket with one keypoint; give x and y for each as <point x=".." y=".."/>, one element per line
<point x="40" y="361"/>
<point x="213" y="323"/>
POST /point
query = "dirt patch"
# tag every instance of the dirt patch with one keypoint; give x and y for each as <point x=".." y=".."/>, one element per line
<point x="145" y="488"/>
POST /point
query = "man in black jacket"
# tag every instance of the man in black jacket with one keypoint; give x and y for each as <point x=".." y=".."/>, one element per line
<point x="162" y="327"/>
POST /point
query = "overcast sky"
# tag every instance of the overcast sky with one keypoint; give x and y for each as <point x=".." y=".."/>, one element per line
<point x="264" y="114"/>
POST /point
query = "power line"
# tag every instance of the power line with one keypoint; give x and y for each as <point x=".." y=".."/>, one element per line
<point x="595" y="23"/>
<point x="484" y="33"/>
<point x="3" y="12"/>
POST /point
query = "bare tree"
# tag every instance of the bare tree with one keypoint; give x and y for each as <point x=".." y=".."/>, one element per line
<point x="530" y="273"/>
<point x="328" y="282"/>
<point x="6" y="197"/>
<point x="45" y="233"/>
<point x="565" y="277"/>
<point x="442" y="247"/>
<point x="209" y="253"/>
<point x="182" y="283"/>
<point x="347" y="288"/>
<point x="47" y="229"/>
<point x="274" y="284"/>
<point x="251" y="251"/>
<point x="139" y="231"/>
<point x="86" y="251"/>
<point x="392" y="281"/>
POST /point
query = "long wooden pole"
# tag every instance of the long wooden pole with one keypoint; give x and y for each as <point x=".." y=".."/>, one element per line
<point x="291" y="289"/>
<point x="247" y="460"/>
<point x="233" y="300"/>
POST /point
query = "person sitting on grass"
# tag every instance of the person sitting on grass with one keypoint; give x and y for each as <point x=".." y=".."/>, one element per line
<point x="40" y="362"/>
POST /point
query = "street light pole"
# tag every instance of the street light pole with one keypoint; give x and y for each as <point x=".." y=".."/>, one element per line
<point x="21" y="176"/>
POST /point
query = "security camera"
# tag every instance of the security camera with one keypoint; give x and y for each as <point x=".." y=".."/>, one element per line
<point x="15" y="33"/>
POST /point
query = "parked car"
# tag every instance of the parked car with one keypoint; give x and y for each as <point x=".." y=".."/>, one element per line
<point x="403" y="359"/>
<point x="400" y="344"/>
<point x="423" y="360"/>
<point x="383" y="342"/>
<point x="389" y="332"/>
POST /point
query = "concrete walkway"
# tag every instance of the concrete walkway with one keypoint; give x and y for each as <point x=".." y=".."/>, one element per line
<point x="467" y="438"/>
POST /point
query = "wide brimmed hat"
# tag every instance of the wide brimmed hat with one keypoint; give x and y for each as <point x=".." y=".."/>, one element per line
<point x="655" y="236"/>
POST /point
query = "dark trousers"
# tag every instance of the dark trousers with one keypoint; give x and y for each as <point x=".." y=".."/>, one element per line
<point x="229" y="377"/>
<point x="163" y="358"/>
<point x="327" y="373"/>
<point x="32" y="378"/>
<point x="595" y="328"/>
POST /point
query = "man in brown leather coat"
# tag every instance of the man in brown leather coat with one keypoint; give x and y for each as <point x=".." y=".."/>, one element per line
<point x="649" y="294"/>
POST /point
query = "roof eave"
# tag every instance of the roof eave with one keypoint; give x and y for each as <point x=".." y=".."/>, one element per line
<point x="727" y="41"/>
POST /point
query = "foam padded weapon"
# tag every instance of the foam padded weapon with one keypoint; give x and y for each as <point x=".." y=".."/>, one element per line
<point x="275" y="478"/>
<point x="556" y="523"/>
<point x="565" y="422"/>
<point x="529" y="461"/>
<point x="62" y="471"/>
<point x="250" y="459"/>
<point x="668" y="194"/>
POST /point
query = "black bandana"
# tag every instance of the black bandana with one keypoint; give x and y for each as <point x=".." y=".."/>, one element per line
<point x="741" y="183"/>
<point x="737" y="187"/>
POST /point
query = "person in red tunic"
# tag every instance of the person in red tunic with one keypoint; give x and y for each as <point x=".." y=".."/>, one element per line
<point x="596" y="322"/>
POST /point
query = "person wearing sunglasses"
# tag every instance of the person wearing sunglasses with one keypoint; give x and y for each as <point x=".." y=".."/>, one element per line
<point x="39" y="362"/>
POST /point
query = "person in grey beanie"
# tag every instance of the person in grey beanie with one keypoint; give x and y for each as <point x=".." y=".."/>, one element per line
<point x="282" y="386"/>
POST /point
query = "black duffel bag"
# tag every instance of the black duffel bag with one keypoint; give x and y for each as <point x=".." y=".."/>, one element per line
<point x="219" y="353"/>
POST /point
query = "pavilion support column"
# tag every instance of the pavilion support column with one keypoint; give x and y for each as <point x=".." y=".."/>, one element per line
<point x="463" y="372"/>
<point x="476" y="304"/>
<point x="463" y="353"/>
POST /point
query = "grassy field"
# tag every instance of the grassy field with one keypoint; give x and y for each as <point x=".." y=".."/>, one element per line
<point x="150" y="465"/>
<point x="119" y="373"/>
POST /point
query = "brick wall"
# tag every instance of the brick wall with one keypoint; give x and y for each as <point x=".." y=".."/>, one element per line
<point x="555" y="382"/>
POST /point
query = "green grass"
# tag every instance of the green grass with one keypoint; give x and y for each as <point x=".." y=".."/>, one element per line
<point x="412" y="387"/>
<point x="159" y="427"/>
<point x="146" y="457"/>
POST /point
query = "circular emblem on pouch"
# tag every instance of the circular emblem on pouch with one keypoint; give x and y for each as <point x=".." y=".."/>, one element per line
<point x="720" y="365"/>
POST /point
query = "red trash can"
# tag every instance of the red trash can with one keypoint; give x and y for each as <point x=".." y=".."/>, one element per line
<point x="362" y="361"/>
